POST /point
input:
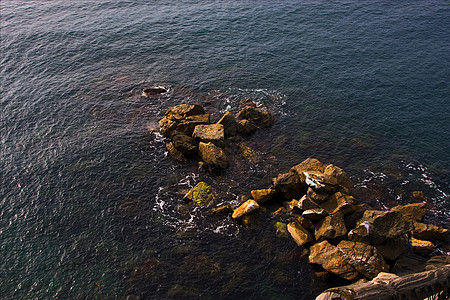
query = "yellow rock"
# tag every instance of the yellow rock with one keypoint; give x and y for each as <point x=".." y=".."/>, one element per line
<point x="246" y="208"/>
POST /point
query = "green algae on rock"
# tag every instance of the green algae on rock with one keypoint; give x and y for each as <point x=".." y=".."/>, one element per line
<point x="200" y="195"/>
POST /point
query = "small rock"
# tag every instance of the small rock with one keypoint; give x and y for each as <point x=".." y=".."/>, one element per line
<point x="419" y="196"/>
<point x="289" y="186"/>
<point x="230" y="125"/>
<point x="332" y="260"/>
<point x="279" y="212"/>
<point x="412" y="212"/>
<point x="290" y="205"/>
<point x="246" y="208"/>
<point x="156" y="90"/>
<point x="364" y="258"/>
<point x="317" y="197"/>
<point x="315" y="214"/>
<point x="213" y="155"/>
<point x="264" y="195"/>
<point x="210" y="133"/>
<point x="339" y="202"/>
<point x="246" y="127"/>
<point x="306" y="203"/>
<point x="330" y="227"/>
<point x="300" y="235"/>
<point x="422" y="247"/>
<point x="429" y="232"/>
<point x="256" y="115"/>
<point x="222" y="209"/>
<point x="200" y="195"/>
<point x="247" y="102"/>
<point x="250" y="220"/>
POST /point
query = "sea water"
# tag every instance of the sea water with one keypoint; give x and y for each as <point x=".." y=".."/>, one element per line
<point x="363" y="85"/>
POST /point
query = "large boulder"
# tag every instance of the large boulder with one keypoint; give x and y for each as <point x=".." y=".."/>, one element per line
<point x="185" y="144"/>
<point x="300" y="235"/>
<point x="200" y="195"/>
<point x="289" y="185"/>
<point x="256" y="115"/>
<point x="320" y="182"/>
<point x="170" y="127"/>
<point x="361" y="233"/>
<point x="412" y="212"/>
<point x="385" y="225"/>
<point x="181" y="111"/>
<point x="333" y="260"/>
<point x="339" y="202"/>
<point x="429" y="232"/>
<point x="343" y="180"/>
<point x="213" y="155"/>
<point x="263" y="195"/>
<point x="230" y="125"/>
<point x="364" y="258"/>
<point x="309" y="164"/>
<point x="210" y="133"/>
<point x="331" y="227"/>
<point x="247" y="207"/>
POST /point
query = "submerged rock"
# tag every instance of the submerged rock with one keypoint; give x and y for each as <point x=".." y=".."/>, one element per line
<point x="156" y="90"/>
<point x="257" y="116"/>
<point x="246" y="208"/>
<point x="333" y="260"/>
<point x="213" y="155"/>
<point x="247" y="153"/>
<point x="200" y="195"/>
<point x="282" y="230"/>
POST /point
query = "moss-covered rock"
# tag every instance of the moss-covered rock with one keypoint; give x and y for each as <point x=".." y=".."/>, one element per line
<point x="200" y="195"/>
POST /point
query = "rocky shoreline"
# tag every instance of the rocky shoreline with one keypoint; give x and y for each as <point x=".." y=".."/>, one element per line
<point x="315" y="205"/>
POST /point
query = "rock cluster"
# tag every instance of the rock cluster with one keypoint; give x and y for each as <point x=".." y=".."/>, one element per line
<point x="191" y="133"/>
<point x="347" y="239"/>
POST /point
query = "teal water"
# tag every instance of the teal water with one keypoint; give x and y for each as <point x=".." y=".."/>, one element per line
<point x="364" y="85"/>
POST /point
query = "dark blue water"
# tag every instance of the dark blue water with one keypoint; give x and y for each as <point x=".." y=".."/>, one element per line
<point x="364" y="85"/>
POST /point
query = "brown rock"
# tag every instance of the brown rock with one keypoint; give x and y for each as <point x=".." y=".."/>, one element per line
<point x="247" y="153"/>
<point x="422" y="247"/>
<point x="352" y="220"/>
<point x="361" y="233"/>
<point x="332" y="260"/>
<point x="419" y="196"/>
<point x="210" y="133"/>
<point x="300" y="235"/>
<point x="412" y="212"/>
<point x="306" y="203"/>
<point x="320" y="183"/>
<point x="279" y="212"/>
<point x="181" y="111"/>
<point x="175" y="153"/>
<point x="289" y="185"/>
<point x="257" y="116"/>
<point x="246" y="127"/>
<point x="385" y="225"/>
<point x="391" y="249"/>
<point x="222" y="209"/>
<point x="429" y="232"/>
<point x="246" y="208"/>
<point x="330" y="227"/>
<point x="213" y="155"/>
<point x="364" y="258"/>
<point x="343" y="180"/>
<point x="230" y="125"/>
<point x="188" y="124"/>
<point x="185" y="144"/>
<point x="309" y="164"/>
<point x="264" y="195"/>
<point x="305" y="223"/>
<point x="339" y="202"/>
<point x="167" y="126"/>
<point x="317" y="197"/>
<point x="315" y="214"/>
